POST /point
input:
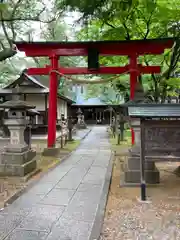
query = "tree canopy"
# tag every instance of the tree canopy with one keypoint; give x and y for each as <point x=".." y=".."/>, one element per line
<point x="140" y="20"/>
<point x="101" y="20"/>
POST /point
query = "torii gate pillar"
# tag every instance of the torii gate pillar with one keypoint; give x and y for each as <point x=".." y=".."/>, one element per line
<point x="52" y="112"/>
<point x="133" y="80"/>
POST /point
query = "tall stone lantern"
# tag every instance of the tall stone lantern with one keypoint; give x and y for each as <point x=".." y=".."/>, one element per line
<point x="17" y="159"/>
<point x="80" y="123"/>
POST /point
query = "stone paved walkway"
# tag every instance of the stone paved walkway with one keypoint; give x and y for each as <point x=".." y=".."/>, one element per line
<point x="81" y="133"/>
<point x="64" y="203"/>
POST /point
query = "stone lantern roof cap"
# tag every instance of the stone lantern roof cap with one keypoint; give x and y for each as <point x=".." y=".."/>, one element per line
<point x="79" y="111"/>
<point x="16" y="104"/>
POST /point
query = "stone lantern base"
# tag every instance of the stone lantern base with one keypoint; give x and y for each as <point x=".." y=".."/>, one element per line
<point x="132" y="174"/>
<point x="17" y="163"/>
<point x="81" y="125"/>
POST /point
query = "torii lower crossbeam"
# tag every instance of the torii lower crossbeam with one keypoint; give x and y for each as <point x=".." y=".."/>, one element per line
<point x="102" y="70"/>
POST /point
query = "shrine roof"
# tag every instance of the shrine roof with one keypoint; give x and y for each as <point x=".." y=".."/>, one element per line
<point x="90" y="102"/>
<point x="25" y="78"/>
<point x="40" y="86"/>
<point x="104" y="47"/>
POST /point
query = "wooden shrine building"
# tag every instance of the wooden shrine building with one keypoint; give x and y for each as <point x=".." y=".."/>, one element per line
<point x="94" y="109"/>
<point x="35" y="90"/>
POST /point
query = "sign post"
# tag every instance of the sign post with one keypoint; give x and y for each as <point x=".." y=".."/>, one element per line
<point x="142" y="161"/>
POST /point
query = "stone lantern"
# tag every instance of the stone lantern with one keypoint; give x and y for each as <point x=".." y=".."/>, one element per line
<point x="80" y="123"/>
<point x="17" y="159"/>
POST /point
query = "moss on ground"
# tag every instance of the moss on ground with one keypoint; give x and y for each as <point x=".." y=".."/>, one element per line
<point x="72" y="145"/>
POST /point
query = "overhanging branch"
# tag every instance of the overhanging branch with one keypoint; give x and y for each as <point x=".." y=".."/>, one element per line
<point x="7" y="53"/>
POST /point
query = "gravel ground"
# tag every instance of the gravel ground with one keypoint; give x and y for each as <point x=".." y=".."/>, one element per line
<point x="126" y="218"/>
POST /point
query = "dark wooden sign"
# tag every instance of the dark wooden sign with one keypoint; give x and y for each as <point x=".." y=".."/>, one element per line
<point x="162" y="137"/>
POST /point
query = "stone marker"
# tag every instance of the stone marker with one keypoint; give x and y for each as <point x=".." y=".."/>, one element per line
<point x="17" y="159"/>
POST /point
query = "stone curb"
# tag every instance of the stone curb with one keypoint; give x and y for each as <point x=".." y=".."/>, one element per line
<point x="32" y="182"/>
<point x="99" y="218"/>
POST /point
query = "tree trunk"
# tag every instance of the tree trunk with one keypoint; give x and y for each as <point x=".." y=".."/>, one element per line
<point x="156" y="91"/>
<point x="164" y="93"/>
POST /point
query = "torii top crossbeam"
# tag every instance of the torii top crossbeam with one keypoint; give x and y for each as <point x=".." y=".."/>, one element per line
<point x="54" y="50"/>
<point x="106" y="48"/>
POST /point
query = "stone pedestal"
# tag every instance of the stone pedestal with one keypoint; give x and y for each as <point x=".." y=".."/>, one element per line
<point x="132" y="166"/>
<point x="17" y="163"/>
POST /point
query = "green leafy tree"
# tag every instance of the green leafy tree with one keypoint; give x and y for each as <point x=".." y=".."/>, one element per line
<point x="141" y="20"/>
<point x="58" y="31"/>
<point x="91" y="9"/>
<point x="19" y="19"/>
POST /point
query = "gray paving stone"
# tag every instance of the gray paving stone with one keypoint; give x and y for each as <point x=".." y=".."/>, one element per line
<point x="18" y="234"/>
<point x="84" y="166"/>
<point x="41" y="189"/>
<point x="102" y="162"/>
<point x="8" y="223"/>
<point x="88" y="152"/>
<point x="27" y="200"/>
<point x="58" y="197"/>
<point x="53" y="178"/>
<point x="74" y="160"/>
<point x="83" y="206"/>
<point x="95" y="175"/>
<point x="42" y="218"/>
<point x="70" y="229"/>
<point x="46" y="211"/>
<point x="14" y="209"/>
<point x="72" y="179"/>
<point x="87" y="187"/>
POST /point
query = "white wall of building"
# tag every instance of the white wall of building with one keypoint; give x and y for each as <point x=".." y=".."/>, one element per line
<point x="39" y="102"/>
<point x="61" y="108"/>
<point x="36" y="100"/>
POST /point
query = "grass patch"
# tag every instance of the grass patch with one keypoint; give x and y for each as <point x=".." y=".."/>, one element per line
<point x="72" y="145"/>
<point x="127" y="141"/>
<point x="44" y="162"/>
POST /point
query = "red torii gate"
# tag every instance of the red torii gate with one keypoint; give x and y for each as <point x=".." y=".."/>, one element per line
<point x="53" y="50"/>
